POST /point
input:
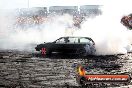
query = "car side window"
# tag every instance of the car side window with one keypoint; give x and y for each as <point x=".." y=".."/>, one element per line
<point x="73" y="40"/>
<point x="67" y="40"/>
<point x="60" y="40"/>
<point x="85" y="40"/>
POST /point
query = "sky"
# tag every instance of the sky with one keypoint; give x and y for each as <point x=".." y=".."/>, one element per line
<point x="12" y="4"/>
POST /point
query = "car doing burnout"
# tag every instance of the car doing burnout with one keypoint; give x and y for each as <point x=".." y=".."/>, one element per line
<point x="78" y="45"/>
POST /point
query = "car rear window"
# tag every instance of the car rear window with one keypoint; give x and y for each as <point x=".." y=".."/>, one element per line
<point x="85" y="40"/>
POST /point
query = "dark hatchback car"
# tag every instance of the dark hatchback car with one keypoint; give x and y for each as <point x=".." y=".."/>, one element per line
<point x="79" y="45"/>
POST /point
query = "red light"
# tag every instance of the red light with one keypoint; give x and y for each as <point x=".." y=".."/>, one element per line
<point x="43" y="51"/>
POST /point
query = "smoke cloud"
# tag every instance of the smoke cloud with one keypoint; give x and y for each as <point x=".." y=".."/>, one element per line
<point x="110" y="36"/>
<point x="12" y="37"/>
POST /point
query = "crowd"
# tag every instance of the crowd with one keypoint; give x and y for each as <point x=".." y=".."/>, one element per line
<point x="33" y="20"/>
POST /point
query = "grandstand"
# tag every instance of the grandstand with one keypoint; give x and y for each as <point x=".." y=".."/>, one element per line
<point x="29" y="17"/>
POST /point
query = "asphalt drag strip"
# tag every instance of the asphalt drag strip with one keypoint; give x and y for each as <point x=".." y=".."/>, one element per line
<point x="21" y="69"/>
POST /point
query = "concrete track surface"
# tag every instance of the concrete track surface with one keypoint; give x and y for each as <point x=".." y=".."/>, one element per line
<point x="22" y="69"/>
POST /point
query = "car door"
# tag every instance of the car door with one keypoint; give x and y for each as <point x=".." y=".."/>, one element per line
<point x="72" y="45"/>
<point x="58" y="45"/>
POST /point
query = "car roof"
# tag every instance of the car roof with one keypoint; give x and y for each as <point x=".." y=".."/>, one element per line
<point x="78" y="37"/>
<point x="74" y="37"/>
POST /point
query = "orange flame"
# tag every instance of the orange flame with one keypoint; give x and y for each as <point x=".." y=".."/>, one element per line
<point x="81" y="71"/>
